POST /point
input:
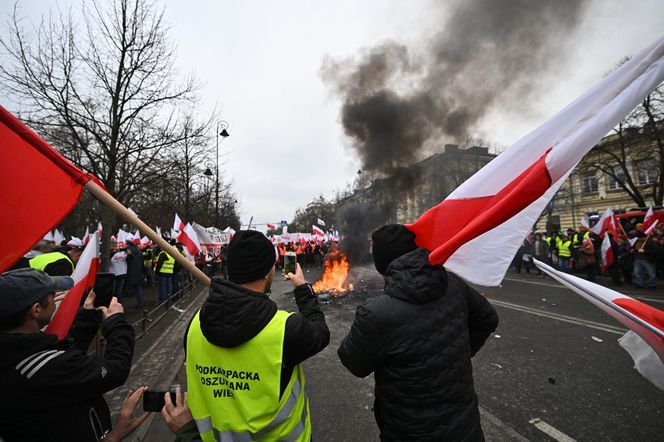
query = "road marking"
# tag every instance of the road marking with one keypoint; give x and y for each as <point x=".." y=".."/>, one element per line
<point x="534" y="282"/>
<point x="629" y="292"/>
<point x="506" y="429"/>
<point x="564" y="318"/>
<point x="550" y="431"/>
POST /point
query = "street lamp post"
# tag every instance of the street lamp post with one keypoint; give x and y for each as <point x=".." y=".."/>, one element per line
<point x="223" y="125"/>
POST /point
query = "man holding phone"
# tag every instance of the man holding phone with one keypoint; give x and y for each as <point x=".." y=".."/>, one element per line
<point x="53" y="390"/>
<point x="240" y="347"/>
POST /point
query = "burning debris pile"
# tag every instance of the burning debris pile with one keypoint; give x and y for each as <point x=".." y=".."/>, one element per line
<point x="335" y="275"/>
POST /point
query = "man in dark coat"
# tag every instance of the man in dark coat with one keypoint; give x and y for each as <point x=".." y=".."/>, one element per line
<point x="417" y="338"/>
<point x="134" y="282"/>
<point x="53" y="390"/>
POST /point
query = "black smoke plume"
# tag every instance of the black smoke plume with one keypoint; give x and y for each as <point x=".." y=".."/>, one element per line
<point x="400" y="102"/>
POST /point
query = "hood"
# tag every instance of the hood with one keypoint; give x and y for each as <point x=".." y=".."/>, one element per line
<point x="412" y="279"/>
<point x="17" y="346"/>
<point x="232" y="314"/>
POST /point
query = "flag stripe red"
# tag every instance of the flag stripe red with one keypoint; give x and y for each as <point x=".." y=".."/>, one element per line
<point x="454" y="222"/>
<point x="38" y="188"/>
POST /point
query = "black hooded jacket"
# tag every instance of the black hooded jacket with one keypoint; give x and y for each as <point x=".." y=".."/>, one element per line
<point x="232" y="315"/>
<point x="417" y="338"/>
<point x="52" y="390"/>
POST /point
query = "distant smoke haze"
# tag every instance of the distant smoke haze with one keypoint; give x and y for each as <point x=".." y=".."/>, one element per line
<point x="399" y="102"/>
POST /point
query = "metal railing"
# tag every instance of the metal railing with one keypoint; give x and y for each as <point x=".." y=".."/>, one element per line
<point x="152" y="317"/>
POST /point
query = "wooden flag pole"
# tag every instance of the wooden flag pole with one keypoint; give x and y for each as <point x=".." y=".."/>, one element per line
<point x="131" y="218"/>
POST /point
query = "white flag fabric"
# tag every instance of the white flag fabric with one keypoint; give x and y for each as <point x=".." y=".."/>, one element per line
<point x="58" y="237"/>
<point x="321" y="222"/>
<point x="644" y="320"/>
<point x="317" y="231"/>
<point x="49" y="236"/>
<point x="478" y="228"/>
<point x="178" y="224"/>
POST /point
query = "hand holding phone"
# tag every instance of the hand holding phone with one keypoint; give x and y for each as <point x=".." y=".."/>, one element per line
<point x="155" y="401"/>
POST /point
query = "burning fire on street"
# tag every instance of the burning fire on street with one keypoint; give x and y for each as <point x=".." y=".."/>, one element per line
<point x="335" y="275"/>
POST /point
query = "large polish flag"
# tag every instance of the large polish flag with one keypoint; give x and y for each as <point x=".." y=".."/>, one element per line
<point x="317" y="231"/>
<point x="55" y="186"/>
<point x="190" y="240"/>
<point x="84" y="278"/>
<point x="642" y="319"/>
<point x="478" y="228"/>
<point x="607" y="253"/>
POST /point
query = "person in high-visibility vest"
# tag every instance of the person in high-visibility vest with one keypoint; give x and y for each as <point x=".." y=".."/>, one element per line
<point x="57" y="263"/>
<point x="243" y="353"/>
<point x="164" y="270"/>
<point x="564" y="246"/>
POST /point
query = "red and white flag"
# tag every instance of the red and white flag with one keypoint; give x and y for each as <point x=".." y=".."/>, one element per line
<point x="606" y="223"/>
<point x="86" y="236"/>
<point x="30" y="215"/>
<point x="317" y="231"/>
<point x="651" y="228"/>
<point x="178" y="224"/>
<point x="271" y="226"/>
<point x="481" y="224"/>
<point x="84" y="278"/>
<point x="321" y="222"/>
<point x="607" y="253"/>
<point x="642" y="319"/>
<point x="648" y="218"/>
<point x="189" y="239"/>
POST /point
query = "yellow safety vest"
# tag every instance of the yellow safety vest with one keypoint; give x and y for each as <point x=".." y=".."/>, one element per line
<point x="168" y="264"/>
<point x="578" y="239"/>
<point x="40" y="262"/>
<point x="563" y="248"/>
<point x="234" y="392"/>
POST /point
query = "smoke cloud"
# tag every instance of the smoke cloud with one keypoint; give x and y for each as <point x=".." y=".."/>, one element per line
<point x="399" y="102"/>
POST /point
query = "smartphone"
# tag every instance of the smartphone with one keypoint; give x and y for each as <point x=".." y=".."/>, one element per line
<point x="290" y="262"/>
<point x="103" y="289"/>
<point x="154" y="400"/>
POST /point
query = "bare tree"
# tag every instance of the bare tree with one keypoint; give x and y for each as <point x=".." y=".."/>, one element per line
<point x="104" y="91"/>
<point x="634" y="158"/>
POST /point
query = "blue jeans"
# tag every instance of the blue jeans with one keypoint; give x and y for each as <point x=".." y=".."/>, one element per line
<point x="563" y="264"/>
<point x="165" y="287"/>
<point x="136" y="289"/>
<point x="639" y="266"/>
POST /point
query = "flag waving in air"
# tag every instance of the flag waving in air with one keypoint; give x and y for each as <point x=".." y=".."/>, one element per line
<point x="606" y="223"/>
<point x="481" y="224"/>
<point x="54" y="187"/>
<point x="644" y="320"/>
<point x="317" y="231"/>
<point x="84" y="278"/>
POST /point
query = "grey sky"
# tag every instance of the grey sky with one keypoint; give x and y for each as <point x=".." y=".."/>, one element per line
<point x="260" y="63"/>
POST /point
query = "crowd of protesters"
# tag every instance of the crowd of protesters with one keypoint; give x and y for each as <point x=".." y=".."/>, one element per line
<point x="637" y="257"/>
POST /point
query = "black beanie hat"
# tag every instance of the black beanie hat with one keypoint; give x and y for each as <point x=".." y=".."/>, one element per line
<point x="389" y="243"/>
<point x="250" y="256"/>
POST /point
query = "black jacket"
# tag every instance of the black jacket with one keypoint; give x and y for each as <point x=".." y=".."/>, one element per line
<point x="52" y="390"/>
<point x="417" y="338"/>
<point x="232" y="315"/>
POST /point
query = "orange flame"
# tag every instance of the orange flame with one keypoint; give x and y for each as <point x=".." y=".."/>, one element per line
<point x="335" y="272"/>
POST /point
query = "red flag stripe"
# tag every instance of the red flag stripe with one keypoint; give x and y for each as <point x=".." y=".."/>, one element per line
<point x="454" y="222"/>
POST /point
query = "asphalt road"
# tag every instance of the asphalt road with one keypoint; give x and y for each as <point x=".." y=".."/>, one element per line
<point x="552" y="371"/>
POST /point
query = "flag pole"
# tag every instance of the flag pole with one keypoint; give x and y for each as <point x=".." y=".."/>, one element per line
<point x="131" y="218"/>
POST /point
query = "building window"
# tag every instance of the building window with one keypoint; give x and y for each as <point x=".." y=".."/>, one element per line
<point x="613" y="182"/>
<point x="647" y="171"/>
<point x="589" y="182"/>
